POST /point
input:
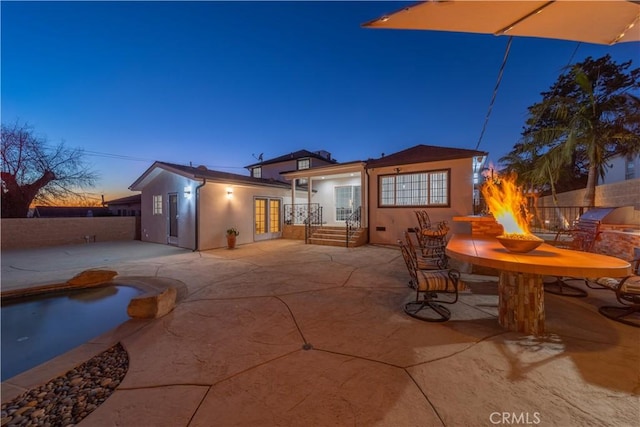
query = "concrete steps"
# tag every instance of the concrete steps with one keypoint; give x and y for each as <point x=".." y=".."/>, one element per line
<point x="336" y="236"/>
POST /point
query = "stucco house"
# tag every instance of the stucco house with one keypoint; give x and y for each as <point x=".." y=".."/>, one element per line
<point x="192" y="207"/>
<point x="125" y="206"/>
<point x="389" y="189"/>
<point x="622" y="168"/>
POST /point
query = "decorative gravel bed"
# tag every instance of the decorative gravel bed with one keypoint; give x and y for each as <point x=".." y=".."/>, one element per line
<point x="66" y="400"/>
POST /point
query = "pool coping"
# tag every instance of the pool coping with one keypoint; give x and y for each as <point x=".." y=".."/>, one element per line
<point x="59" y="365"/>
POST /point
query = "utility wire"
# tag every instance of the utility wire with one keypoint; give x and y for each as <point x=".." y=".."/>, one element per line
<point x="140" y="159"/>
<point x="495" y="90"/>
<point x="500" y="73"/>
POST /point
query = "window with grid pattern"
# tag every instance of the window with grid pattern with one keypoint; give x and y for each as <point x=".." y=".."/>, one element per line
<point x="157" y="204"/>
<point x="274" y="215"/>
<point x="304" y="164"/>
<point x="256" y="172"/>
<point x="415" y="189"/>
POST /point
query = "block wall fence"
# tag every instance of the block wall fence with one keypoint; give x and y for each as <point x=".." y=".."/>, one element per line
<point x="617" y="194"/>
<point x="23" y="233"/>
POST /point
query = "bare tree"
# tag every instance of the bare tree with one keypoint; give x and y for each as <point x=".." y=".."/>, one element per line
<point x="34" y="172"/>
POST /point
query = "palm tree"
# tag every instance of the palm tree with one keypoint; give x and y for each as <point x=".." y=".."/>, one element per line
<point x="589" y="116"/>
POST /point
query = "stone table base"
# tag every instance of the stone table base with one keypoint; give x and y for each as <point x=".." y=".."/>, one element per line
<point x="521" y="302"/>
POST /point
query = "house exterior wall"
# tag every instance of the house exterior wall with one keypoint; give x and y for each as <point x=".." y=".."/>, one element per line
<point x="155" y="228"/>
<point x="324" y="194"/>
<point x="272" y="170"/>
<point x="618" y="170"/>
<point x="219" y="212"/>
<point x="387" y="224"/>
<point x="129" y="209"/>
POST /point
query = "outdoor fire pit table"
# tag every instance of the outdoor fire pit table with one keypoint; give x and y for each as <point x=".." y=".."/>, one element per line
<point x="520" y="287"/>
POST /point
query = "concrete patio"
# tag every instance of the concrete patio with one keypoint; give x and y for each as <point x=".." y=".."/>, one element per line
<point x="283" y="333"/>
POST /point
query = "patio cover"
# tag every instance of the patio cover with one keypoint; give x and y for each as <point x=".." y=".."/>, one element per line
<point x="599" y="22"/>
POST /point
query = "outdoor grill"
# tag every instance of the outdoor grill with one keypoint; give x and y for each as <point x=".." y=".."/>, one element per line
<point x="622" y="216"/>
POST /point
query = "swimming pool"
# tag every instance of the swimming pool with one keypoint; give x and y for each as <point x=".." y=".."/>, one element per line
<point x="38" y="328"/>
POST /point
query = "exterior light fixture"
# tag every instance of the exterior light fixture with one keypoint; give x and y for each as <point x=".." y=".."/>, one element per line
<point x="187" y="192"/>
<point x="229" y="192"/>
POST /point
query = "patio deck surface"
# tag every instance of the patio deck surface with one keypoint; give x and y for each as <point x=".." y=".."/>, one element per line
<point x="283" y="333"/>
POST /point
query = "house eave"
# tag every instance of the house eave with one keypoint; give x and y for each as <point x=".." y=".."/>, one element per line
<point x="351" y="167"/>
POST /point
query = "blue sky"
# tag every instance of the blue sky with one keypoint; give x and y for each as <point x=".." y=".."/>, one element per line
<point x="216" y="83"/>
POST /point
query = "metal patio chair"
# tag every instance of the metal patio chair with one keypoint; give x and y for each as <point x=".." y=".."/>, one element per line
<point x="581" y="237"/>
<point x="628" y="294"/>
<point x="432" y="237"/>
<point x="428" y="284"/>
<point x="425" y="260"/>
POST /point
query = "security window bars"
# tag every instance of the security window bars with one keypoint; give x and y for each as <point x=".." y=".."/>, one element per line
<point x="415" y="189"/>
<point x="157" y="205"/>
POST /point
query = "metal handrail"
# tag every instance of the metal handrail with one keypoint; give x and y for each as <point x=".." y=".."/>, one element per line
<point x="312" y="222"/>
<point x="353" y="223"/>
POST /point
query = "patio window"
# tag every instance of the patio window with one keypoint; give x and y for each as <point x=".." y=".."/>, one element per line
<point x="256" y="172"/>
<point x="347" y="200"/>
<point x="304" y="164"/>
<point x="157" y="204"/>
<point x="415" y="189"/>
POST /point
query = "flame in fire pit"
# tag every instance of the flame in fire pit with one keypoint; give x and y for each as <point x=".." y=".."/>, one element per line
<point x="508" y="204"/>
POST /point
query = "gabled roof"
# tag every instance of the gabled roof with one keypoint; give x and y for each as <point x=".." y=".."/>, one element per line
<point x="423" y="154"/>
<point x="201" y="173"/>
<point x="300" y="154"/>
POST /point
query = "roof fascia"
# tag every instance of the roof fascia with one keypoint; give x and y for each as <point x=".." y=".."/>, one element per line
<point x="326" y="170"/>
<point x="153" y="171"/>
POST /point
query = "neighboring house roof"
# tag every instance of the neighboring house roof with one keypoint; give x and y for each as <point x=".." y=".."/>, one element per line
<point x="421" y="154"/>
<point x="129" y="200"/>
<point x="69" y="211"/>
<point x="201" y="173"/>
<point x="300" y="154"/>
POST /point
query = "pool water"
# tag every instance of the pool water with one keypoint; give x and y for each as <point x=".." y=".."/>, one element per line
<point x="39" y="328"/>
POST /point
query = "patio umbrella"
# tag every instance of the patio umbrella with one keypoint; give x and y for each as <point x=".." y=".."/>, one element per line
<point x="600" y="22"/>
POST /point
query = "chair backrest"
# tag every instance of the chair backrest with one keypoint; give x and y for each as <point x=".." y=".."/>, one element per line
<point x="441" y="280"/>
<point x="411" y="264"/>
<point x="584" y="234"/>
<point x="423" y="219"/>
<point x="635" y="263"/>
<point x="430" y="262"/>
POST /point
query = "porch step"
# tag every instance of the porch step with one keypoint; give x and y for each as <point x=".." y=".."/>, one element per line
<point x="336" y="236"/>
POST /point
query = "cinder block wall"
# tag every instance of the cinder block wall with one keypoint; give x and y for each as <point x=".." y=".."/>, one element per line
<point x="617" y="194"/>
<point x="21" y="233"/>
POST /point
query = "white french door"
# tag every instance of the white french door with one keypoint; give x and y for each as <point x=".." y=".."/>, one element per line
<point x="267" y="218"/>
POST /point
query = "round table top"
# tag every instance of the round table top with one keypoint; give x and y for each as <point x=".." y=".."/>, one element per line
<point x="546" y="260"/>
